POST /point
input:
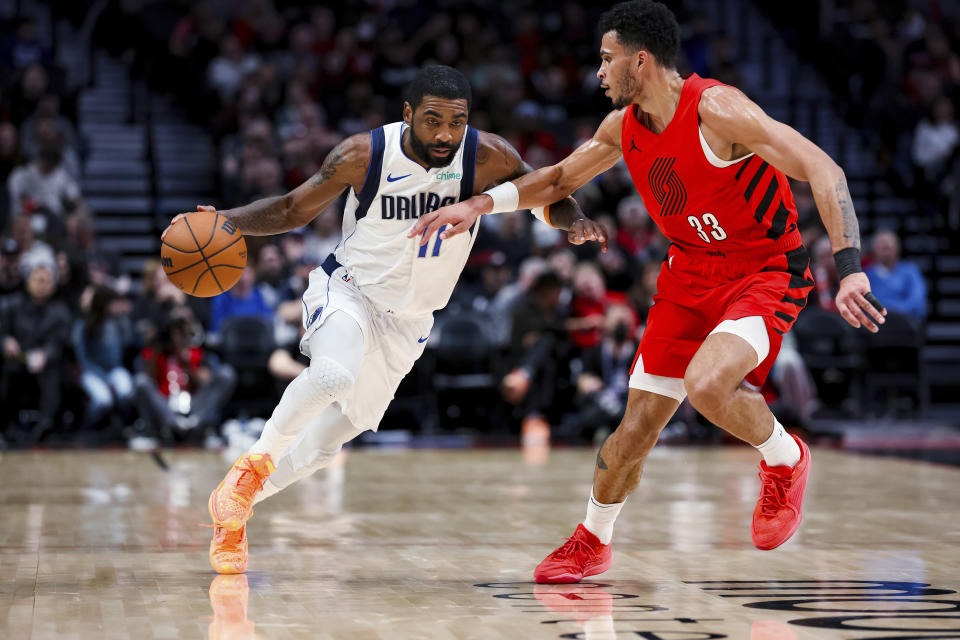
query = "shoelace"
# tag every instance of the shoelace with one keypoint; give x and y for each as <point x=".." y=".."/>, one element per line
<point x="231" y="540"/>
<point x="249" y="482"/>
<point x="773" y="492"/>
<point x="571" y="547"/>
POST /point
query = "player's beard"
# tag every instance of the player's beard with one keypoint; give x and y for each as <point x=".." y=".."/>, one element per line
<point x="422" y="150"/>
<point x="629" y="90"/>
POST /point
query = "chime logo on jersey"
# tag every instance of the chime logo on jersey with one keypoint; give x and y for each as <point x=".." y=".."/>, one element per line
<point x="448" y="175"/>
<point x="412" y="206"/>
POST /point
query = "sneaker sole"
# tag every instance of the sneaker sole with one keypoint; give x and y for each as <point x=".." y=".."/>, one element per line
<point x="568" y="578"/>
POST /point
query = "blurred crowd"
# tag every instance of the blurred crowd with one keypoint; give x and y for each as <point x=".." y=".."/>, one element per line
<point x="279" y="83"/>
<point x="900" y="81"/>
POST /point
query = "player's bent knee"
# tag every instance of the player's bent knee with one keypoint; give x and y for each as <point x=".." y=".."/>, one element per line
<point x="329" y="377"/>
<point x="706" y="390"/>
<point x="636" y="439"/>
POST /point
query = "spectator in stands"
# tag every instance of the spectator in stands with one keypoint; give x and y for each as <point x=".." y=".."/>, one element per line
<point x="825" y="274"/>
<point x="34" y="84"/>
<point x="244" y="299"/>
<point x="48" y="109"/>
<point x="45" y="184"/>
<point x="34" y="332"/>
<point x="325" y="232"/>
<point x="11" y="280"/>
<point x="181" y="389"/>
<point x="898" y="284"/>
<point x="588" y="307"/>
<point x="272" y="278"/>
<point x="635" y="227"/>
<point x="538" y="351"/>
<point x="25" y="48"/>
<point x="227" y="70"/>
<point x="502" y="308"/>
<point x="99" y="339"/>
<point x="32" y="250"/>
<point x="935" y="139"/>
<point x="603" y="382"/>
<point x="10" y="158"/>
<point x="158" y="300"/>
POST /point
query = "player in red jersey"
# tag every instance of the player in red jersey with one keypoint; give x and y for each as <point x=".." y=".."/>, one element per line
<point x="711" y="167"/>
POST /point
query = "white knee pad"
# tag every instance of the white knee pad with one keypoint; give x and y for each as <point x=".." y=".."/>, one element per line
<point x="329" y="378"/>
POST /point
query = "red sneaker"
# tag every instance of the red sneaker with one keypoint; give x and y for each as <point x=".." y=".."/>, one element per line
<point x="580" y="556"/>
<point x="779" y="510"/>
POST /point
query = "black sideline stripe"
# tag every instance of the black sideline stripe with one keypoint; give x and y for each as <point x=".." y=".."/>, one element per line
<point x="778" y="226"/>
<point x="767" y="200"/>
<point x="800" y="302"/>
<point x="786" y="317"/>
<point x="755" y="180"/>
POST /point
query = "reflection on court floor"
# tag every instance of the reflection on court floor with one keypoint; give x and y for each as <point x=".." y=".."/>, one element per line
<point x="442" y="544"/>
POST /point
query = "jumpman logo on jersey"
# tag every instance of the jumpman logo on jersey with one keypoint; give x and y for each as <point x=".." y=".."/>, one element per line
<point x="633" y="145"/>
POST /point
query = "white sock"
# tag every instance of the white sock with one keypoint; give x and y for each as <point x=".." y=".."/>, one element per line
<point x="780" y="449"/>
<point x="272" y="441"/>
<point x="314" y="448"/>
<point x="600" y="518"/>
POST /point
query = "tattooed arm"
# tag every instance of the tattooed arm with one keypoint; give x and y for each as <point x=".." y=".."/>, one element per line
<point x="345" y="166"/>
<point x="733" y="125"/>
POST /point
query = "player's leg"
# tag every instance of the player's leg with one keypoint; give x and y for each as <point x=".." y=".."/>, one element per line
<point x="651" y="403"/>
<point x="714" y="382"/>
<point x="314" y="449"/>
<point x="714" y="379"/>
<point x="336" y="349"/>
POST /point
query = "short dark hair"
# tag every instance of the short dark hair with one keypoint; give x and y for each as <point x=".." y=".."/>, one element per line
<point x="441" y="81"/>
<point x="645" y="24"/>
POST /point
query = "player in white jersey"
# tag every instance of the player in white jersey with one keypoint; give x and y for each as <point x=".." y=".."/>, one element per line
<point x="368" y="309"/>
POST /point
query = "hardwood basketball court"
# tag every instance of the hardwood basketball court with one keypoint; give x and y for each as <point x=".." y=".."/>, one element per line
<point x="442" y="544"/>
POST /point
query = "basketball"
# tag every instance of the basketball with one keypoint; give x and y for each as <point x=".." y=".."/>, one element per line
<point x="203" y="253"/>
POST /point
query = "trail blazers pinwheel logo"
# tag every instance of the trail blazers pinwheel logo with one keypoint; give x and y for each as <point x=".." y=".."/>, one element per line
<point x="667" y="187"/>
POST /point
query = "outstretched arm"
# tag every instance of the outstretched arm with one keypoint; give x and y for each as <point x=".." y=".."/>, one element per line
<point x="727" y="114"/>
<point x="345" y="166"/>
<point x="539" y="188"/>
<point x="499" y="162"/>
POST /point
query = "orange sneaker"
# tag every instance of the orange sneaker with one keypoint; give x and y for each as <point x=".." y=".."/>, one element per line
<point x="231" y="503"/>
<point x="228" y="599"/>
<point x="229" y="551"/>
<point x="780" y="508"/>
<point x="580" y="556"/>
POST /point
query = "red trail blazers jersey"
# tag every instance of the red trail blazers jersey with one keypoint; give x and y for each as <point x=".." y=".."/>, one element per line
<point x="743" y="210"/>
<point x="736" y="248"/>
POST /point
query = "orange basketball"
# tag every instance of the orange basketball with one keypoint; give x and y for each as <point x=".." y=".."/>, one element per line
<point x="203" y="253"/>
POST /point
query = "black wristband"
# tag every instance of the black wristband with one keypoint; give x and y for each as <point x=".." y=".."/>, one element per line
<point x="848" y="261"/>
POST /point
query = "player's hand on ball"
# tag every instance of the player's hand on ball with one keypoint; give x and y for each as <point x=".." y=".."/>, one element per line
<point x="857" y="305"/>
<point x="458" y="217"/>
<point x="584" y="230"/>
<point x="202" y="207"/>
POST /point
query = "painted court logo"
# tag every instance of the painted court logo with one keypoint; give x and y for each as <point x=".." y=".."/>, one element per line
<point x="448" y="175"/>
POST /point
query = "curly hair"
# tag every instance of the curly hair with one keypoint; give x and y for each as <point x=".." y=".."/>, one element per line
<point x="645" y="24"/>
<point x="441" y="81"/>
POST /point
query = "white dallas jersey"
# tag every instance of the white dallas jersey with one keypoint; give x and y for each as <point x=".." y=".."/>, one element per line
<point x="393" y="271"/>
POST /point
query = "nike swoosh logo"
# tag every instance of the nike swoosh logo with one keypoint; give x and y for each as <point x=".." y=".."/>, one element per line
<point x="390" y="178"/>
<point x="422" y="339"/>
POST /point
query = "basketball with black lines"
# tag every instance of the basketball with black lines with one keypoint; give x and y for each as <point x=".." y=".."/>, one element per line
<point x="203" y="253"/>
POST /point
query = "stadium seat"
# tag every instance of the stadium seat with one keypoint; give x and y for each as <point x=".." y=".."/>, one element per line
<point x="892" y="363"/>
<point x="832" y="352"/>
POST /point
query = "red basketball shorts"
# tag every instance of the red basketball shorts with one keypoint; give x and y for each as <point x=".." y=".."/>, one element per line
<point x="694" y="295"/>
